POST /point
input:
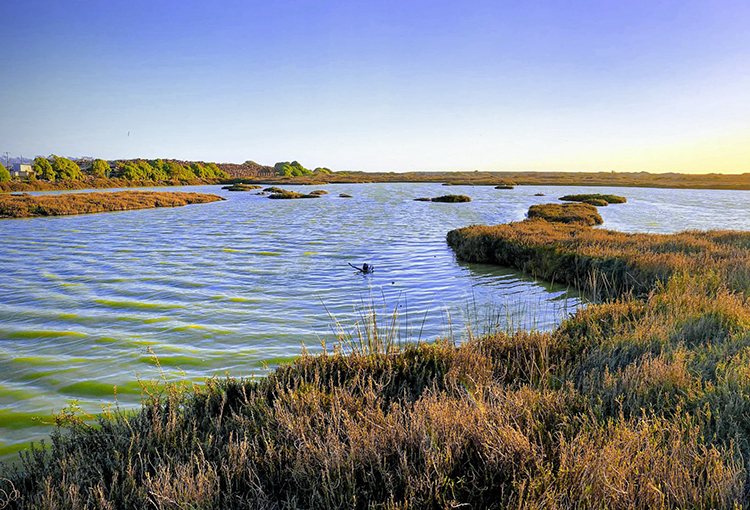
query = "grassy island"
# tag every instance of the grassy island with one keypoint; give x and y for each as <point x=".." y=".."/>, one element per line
<point x="451" y="199"/>
<point x="589" y="197"/>
<point x="27" y="206"/>
<point x="566" y="213"/>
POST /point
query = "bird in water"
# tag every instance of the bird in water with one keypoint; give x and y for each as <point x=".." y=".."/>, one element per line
<point x="365" y="269"/>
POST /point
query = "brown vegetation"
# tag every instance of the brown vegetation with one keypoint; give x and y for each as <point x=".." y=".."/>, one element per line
<point x="585" y="214"/>
<point x="26" y="206"/>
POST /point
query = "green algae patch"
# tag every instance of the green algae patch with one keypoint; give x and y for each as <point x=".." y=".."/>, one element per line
<point x="16" y="421"/>
<point x="88" y="389"/>
<point x="175" y="361"/>
<point x="45" y="334"/>
<point x="136" y="305"/>
<point x="43" y="374"/>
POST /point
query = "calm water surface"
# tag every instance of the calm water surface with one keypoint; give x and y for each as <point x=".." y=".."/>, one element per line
<point x="235" y="286"/>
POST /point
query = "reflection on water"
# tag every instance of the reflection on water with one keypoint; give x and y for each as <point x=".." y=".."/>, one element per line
<point x="231" y="286"/>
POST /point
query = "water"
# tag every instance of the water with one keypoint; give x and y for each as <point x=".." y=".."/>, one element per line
<point x="238" y="286"/>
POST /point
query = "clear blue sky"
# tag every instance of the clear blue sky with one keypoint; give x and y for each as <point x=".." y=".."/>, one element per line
<point x="382" y="85"/>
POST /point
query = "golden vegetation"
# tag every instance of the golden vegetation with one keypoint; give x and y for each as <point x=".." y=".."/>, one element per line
<point x="638" y="401"/>
<point x="585" y="214"/>
<point x="26" y="206"/>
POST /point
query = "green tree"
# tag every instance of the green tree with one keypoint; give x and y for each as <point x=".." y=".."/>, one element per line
<point x="215" y="171"/>
<point x="290" y="169"/>
<point x="100" y="169"/>
<point x="4" y="174"/>
<point x="43" y="169"/>
<point x="65" y="169"/>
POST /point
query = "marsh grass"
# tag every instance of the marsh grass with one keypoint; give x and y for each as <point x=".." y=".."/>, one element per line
<point x="452" y="198"/>
<point x="637" y="401"/>
<point x="25" y="205"/>
<point x="584" y="214"/>
<point x="598" y="197"/>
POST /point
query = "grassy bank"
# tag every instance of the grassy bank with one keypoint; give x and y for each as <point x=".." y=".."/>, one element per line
<point x="637" y="401"/>
<point x="27" y="206"/>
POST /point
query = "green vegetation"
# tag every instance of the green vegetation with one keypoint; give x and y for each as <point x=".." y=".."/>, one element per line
<point x="295" y="169"/>
<point x="609" y="199"/>
<point x="4" y="174"/>
<point x="241" y="187"/>
<point x="43" y="169"/>
<point x="100" y="169"/>
<point x="274" y="189"/>
<point x="319" y="192"/>
<point x="25" y="205"/>
<point x="165" y="170"/>
<point x="65" y="169"/>
<point x="288" y="195"/>
<point x="452" y="198"/>
<point x="584" y="214"/>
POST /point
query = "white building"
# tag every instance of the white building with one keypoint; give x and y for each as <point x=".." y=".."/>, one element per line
<point x="20" y="171"/>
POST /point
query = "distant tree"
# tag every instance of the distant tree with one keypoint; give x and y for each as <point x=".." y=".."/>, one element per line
<point x="65" y="169"/>
<point x="290" y="169"/>
<point x="43" y="169"/>
<point x="322" y="170"/>
<point x="100" y="169"/>
<point x="4" y="174"/>
<point x="216" y="171"/>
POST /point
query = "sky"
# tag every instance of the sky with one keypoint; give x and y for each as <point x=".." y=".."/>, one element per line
<point x="382" y="85"/>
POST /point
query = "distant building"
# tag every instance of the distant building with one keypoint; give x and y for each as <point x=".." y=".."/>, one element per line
<point x="20" y="171"/>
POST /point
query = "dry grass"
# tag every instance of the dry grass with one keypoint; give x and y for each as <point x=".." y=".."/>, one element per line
<point x="639" y="401"/>
<point x="585" y="214"/>
<point x="26" y="206"/>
